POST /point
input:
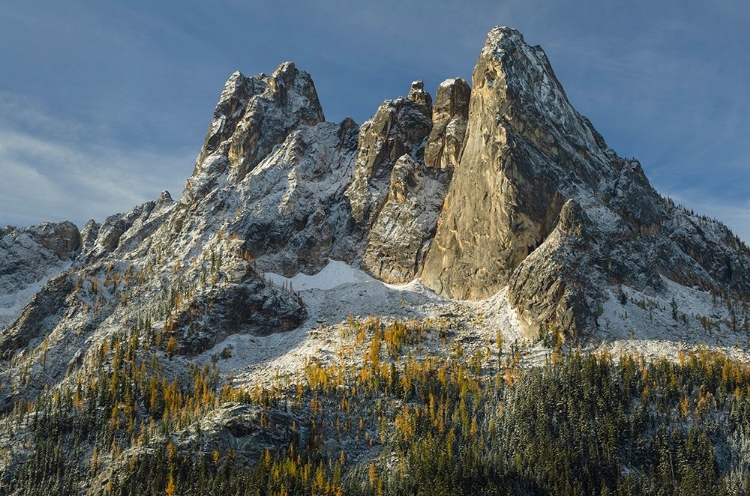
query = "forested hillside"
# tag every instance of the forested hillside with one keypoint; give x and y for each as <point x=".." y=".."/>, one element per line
<point x="392" y="415"/>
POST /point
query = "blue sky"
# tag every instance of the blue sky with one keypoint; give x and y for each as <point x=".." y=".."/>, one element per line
<point x="104" y="104"/>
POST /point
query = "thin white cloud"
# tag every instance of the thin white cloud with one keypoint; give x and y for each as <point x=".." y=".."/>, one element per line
<point x="48" y="171"/>
<point x="17" y="111"/>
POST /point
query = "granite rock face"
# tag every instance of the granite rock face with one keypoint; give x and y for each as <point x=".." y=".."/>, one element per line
<point x="253" y="115"/>
<point x="395" y="196"/>
<point x="400" y="237"/>
<point x="299" y="217"/>
<point x="449" y="119"/>
<point x="505" y="196"/>
<point x="541" y="204"/>
<point x="398" y="128"/>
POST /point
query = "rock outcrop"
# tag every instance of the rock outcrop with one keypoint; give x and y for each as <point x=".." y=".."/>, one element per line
<point x="298" y="216"/>
<point x="449" y="119"/>
<point x="398" y="128"/>
<point x="515" y="172"/>
<point x="39" y="317"/>
<point x="253" y="115"/>
<point x="396" y="195"/>
<point x="125" y="232"/>
<point x="400" y="237"/>
<point x="254" y="307"/>
<point x="28" y="258"/>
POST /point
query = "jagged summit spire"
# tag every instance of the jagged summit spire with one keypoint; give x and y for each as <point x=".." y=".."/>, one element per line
<point x="528" y="90"/>
<point x="418" y="95"/>
<point x="252" y="116"/>
<point x="520" y="157"/>
<point x="527" y="154"/>
<point x="503" y="32"/>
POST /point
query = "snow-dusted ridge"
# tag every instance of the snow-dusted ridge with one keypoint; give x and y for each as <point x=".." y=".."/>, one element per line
<point x="16" y="298"/>
<point x="497" y="209"/>
<point x="29" y="257"/>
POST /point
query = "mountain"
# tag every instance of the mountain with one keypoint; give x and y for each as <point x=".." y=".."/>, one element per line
<point x="493" y="213"/>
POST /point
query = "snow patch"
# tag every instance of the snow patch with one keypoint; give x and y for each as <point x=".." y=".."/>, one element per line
<point x="339" y="292"/>
<point x="333" y="275"/>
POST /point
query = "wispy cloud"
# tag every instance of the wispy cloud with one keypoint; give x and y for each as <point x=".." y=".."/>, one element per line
<point x="49" y="170"/>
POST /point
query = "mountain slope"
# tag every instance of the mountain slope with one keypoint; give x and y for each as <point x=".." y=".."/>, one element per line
<point x="522" y="196"/>
<point x="30" y="257"/>
<point x="493" y="214"/>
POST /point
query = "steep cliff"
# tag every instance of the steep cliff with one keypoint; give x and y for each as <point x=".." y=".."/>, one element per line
<point x="528" y="154"/>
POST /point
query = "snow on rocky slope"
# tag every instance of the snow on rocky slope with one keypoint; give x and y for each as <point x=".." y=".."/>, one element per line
<point x="562" y="219"/>
<point x="496" y="214"/>
<point x="29" y="258"/>
<point x="500" y="208"/>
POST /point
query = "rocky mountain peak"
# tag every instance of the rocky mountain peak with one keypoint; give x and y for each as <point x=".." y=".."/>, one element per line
<point x="499" y="185"/>
<point x="526" y="155"/>
<point x="252" y="116"/>
<point x="515" y="171"/>
<point x="291" y="229"/>
<point x="418" y="95"/>
<point x="62" y="238"/>
<point x="518" y="80"/>
<point x="165" y="197"/>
